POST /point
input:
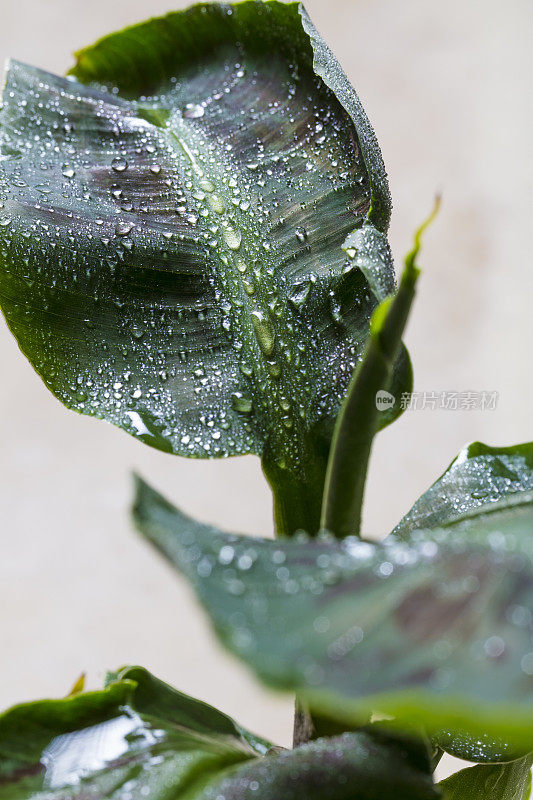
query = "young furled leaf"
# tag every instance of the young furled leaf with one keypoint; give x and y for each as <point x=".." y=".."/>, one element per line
<point x="172" y="221"/>
<point x="424" y="630"/>
<point x="359" y="417"/>
<point x="140" y="738"/>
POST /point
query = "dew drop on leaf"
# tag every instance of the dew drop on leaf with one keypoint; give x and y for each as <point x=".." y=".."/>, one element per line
<point x="119" y="164"/>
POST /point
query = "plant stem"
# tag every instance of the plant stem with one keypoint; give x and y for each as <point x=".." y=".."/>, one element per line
<point x="297" y="498"/>
<point x="297" y="493"/>
<point x="304" y="729"/>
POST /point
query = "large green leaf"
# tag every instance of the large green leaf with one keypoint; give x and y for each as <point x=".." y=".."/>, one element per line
<point x="172" y="221"/>
<point x="495" y="782"/>
<point x="427" y="631"/>
<point x="479" y="475"/>
<point x="139" y="738"/>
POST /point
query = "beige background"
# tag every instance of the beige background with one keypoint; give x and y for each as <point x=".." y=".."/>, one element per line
<point x="447" y="87"/>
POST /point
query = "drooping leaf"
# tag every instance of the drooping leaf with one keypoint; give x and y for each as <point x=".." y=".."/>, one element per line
<point x="427" y="631"/>
<point x="480" y="475"/>
<point x="510" y="781"/>
<point x="139" y="738"/>
<point x="172" y="220"/>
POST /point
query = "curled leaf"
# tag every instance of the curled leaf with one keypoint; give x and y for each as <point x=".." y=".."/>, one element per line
<point x="172" y="221"/>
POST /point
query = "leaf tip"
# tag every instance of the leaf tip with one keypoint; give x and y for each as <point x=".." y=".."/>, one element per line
<point x="411" y="267"/>
<point x="78" y="685"/>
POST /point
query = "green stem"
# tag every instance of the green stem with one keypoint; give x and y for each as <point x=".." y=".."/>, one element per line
<point x="297" y="495"/>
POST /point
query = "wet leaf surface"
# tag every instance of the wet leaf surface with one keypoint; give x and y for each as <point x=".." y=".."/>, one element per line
<point x="479" y="476"/>
<point x="172" y="221"/>
<point x="139" y="738"/>
<point x="435" y="631"/>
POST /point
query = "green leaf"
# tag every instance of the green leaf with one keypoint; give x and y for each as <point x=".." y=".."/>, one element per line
<point x="495" y="782"/>
<point x="359" y="418"/>
<point x="137" y="737"/>
<point x="480" y="475"/>
<point x="355" y="766"/>
<point x="140" y="738"/>
<point x="172" y="221"/>
<point x="426" y="631"/>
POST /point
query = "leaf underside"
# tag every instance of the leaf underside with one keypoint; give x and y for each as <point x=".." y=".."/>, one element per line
<point x="139" y="738"/>
<point x="172" y="220"/>
<point x="427" y="631"/>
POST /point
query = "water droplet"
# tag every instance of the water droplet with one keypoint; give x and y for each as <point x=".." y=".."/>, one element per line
<point x="241" y="403"/>
<point x="193" y="111"/>
<point x="68" y="171"/>
<point x="216" y="203"/>
<point x="232" y="237"/>
<point x="123" y="228"/>
<point x="494" y="646"/>
<point x="527" y="664"/>
<point x="301" y="234"/>
<point x="119" y="164"/>
<point x="264" y="332"/>
<point x="299" y="294"/>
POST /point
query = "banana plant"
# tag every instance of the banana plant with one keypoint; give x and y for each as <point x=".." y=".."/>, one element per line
<point x="193" y="247"/>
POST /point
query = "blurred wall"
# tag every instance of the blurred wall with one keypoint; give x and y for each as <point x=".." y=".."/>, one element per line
<point x="447" y="88"/>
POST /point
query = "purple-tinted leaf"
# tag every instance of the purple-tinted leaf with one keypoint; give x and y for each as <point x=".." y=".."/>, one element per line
<point x="437" y="631"/>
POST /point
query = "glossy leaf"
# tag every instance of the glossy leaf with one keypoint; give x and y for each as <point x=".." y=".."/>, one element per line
<point x="479" y="476"/>
<point x="172" y="220"/>
<point x="139" y="738"/>
<point x="434" y="632"/>
<point x="495" y="782"/>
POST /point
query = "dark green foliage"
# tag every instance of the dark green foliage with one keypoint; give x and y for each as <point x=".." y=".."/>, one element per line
<point x="193" y="247"/>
